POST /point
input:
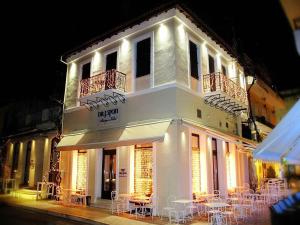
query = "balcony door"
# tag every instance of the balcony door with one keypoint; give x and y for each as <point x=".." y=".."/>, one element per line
<point x="111" y="64"/>
<point x="211" y="67"/>
<point x="108" y="173"/>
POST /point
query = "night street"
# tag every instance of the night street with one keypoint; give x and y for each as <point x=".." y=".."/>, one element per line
<point x="10" y="215"/>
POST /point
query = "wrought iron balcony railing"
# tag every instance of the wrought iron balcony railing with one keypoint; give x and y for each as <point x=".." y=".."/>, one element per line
<point x="217" y="82"/>
<point x="111" y="79"/>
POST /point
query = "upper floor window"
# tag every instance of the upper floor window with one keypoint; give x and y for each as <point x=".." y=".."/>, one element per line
<point x="211" y="64"/>
<point x="143" y="57"/>
<point x="111" y="61"/>
<point x="224" y="70"/>
<point x="86" y="71"/>
<point x="193" y="60"/>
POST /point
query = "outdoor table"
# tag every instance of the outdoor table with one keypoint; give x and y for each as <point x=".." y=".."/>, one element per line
<point x="213" y="205"/>
<point x="141" y="202"/>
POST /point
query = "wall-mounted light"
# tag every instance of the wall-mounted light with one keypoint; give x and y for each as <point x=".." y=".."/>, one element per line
<point x="163" y="32"/>
<point x="125" y="46"/>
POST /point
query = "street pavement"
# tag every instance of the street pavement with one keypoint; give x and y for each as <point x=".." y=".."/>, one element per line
<point x="16" y="216"/>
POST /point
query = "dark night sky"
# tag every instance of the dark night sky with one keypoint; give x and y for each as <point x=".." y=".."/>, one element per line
<point x="35" y="35"/>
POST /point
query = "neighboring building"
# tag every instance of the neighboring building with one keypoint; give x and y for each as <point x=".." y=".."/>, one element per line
<point x="265" y="104"/>
<point x="29" y="137"/>
<point x="155" y="107"/>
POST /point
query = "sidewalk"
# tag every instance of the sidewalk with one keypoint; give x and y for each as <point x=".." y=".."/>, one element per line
<point x="98" y="216"/>
<point x="82" y="214"/>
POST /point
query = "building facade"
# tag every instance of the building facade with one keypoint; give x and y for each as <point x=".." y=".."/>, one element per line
<point x="29" y="137"/>
<point x="155" y="109"/>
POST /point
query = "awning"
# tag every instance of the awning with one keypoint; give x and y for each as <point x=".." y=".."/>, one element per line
<point x="115" y="137"/>
<point x="281" y="142"/>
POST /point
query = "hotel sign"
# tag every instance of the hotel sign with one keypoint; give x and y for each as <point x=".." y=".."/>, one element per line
<point x="108" y="115"/>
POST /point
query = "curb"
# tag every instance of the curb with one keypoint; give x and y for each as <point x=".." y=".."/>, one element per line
<point x="56" y="214"/>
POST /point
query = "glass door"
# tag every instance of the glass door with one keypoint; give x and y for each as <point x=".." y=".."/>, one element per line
<point x="108" y="173"/>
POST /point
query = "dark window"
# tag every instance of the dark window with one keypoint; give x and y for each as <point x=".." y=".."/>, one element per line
<point x="143" y="57"/>
<point x="220" y="124"/>
<point x="15" y="160"/>
<point x="86" y="71"/>
<point x="227" y="125"/>
<point x="199" y="113"/>
<point x="193" y="60"/>
<point x="111" y="61"/>
<point x="27" y="163"/>
<point x="224" y="71"/>
<point x="215" y="164"/>
<point x="227" y="147"/>
<point x="211" y="64"/>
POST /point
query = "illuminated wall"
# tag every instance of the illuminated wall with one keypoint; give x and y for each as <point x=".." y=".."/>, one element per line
<point x="143" y="170"/>
<point x="196" y="164"/>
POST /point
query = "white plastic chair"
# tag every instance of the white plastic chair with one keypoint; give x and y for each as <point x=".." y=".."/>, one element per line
<point x="169" y="207"/>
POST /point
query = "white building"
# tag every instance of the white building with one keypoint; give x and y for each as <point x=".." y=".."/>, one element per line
<point x="167" y="138"/>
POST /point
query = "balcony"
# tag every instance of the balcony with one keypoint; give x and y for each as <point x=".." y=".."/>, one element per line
<point x="111" y="79"/>
<point x="223" y="93"/>
<point x="104" y="88"/>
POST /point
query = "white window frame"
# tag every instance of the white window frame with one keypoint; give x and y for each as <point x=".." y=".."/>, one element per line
<point x="134" y="43"/>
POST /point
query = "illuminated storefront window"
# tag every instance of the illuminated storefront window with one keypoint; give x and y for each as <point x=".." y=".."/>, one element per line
<point x="143" y="169"/>
<point x="195" y="163"/>
<point x="81" y="170"/>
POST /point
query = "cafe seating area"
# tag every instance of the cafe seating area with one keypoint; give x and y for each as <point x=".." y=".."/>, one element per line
<point x="238" y="206"/>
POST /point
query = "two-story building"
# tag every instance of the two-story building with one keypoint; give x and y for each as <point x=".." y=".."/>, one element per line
<point x="155" y="107"/>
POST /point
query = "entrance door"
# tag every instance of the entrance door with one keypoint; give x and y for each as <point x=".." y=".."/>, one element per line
<point x="108" y="173"/>
<point x="27" y="163"/>
<point x="215" y="164"/>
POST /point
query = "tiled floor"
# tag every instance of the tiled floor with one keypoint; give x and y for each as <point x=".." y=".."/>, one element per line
<point x="104" y="216"/>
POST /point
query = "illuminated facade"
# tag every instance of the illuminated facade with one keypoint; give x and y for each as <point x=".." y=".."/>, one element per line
<point x="166" y="138"/>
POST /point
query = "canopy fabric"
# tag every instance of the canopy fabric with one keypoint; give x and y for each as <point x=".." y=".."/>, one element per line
<point x="115" y="137"/>
<point x="281" y="141"/>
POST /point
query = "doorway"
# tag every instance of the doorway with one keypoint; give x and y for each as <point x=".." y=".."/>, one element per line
<point x="215" y="164"/>
<point x="108" y="173"/>
<point x="27" y="163"/>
